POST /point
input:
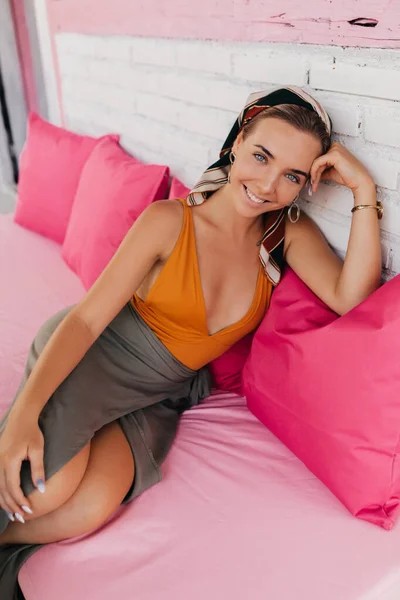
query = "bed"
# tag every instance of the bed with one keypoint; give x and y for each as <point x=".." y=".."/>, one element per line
<point x="236" y="516"/>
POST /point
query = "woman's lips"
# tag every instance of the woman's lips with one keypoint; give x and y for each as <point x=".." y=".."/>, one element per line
<point x="252" y="197"/>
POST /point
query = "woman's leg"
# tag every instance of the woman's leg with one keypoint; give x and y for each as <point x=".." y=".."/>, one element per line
<point x="106" y="481"/>
<point x="60" y="487"/>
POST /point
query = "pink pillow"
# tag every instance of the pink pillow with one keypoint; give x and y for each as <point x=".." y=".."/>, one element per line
<point x="226" y="370"/>
<point x="114" y="189"/>
<point x="178" y="190"/>
<point x="50" y="167"/>
<point x="329" y="388"/>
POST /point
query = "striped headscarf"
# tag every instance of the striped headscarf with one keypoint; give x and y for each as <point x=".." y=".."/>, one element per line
<point x="271" y="244"/>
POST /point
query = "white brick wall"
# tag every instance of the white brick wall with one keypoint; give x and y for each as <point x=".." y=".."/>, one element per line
<point x="174" y="102"/>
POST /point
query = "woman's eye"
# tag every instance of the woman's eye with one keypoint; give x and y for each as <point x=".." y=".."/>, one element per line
<point x="295" y="179"/>
<point x="260" y="157"/>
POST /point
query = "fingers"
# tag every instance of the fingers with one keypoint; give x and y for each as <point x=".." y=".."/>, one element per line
<point x="323" y="163"/>
<point x="317" y="168"/>
<point x="10" y="506"/>
<point x="12" y="498"/>
<point x="37" y="468"/>
<point x="4" y="500"/>
<point x="316" y="179"/>
<point x="316" y="175"/>
<point x="13" y="492"/>
<point x="7" y="500"/>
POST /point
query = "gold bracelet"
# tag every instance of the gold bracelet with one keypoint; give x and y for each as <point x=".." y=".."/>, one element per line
<point x="378" y="207"/>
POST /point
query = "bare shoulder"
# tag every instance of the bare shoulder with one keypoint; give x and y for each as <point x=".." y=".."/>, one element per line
<point x="166" y="208"/>
<point x="163" y="220"/>
<point x="305" y="227"/>
<point x="171" y="210"/>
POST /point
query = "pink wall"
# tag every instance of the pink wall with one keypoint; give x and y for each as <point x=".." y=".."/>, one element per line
<point x="314" y="22"/>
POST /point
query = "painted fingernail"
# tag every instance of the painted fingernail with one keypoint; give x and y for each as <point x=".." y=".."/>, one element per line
<point x="40" y="486"/>
<point x="10" y="516"/>
<point x="310" y="191"/>
<point x="27" y="510"/>
<point x="19" y="518"/>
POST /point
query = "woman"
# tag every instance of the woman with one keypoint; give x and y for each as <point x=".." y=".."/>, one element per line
<point x="109" y="377"/>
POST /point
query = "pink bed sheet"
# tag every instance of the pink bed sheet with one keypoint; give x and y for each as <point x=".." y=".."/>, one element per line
<point x="236" y="515"/>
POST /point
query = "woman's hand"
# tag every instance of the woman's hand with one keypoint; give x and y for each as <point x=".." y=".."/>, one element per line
<point x="339" y="165"/>
<point x="22" y="440"/>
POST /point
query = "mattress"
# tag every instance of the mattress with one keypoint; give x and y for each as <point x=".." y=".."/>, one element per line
<point x="236" y="515"/>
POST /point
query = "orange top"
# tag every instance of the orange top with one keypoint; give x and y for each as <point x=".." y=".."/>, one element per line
<point x="175" y="309"/>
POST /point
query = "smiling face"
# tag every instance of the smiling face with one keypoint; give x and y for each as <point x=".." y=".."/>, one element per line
<point x="272" y="165"/>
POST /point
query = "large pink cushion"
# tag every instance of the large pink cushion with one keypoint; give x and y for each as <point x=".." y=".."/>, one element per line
<point x="50" y="167"/>
<point x="329" y="388"/>
<point x="178" y="189"/>
<point x="114" y="189"/>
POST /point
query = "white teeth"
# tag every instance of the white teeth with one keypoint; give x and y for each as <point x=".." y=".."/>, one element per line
<point x="253" y="198"/>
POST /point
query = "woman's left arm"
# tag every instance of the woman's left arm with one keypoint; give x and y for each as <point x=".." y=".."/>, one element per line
<point x="340" y="285"/>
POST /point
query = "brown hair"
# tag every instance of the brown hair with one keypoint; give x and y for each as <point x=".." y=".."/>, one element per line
<point x="298" y="116"/>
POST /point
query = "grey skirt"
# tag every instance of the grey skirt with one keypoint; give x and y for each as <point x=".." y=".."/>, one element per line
<point x="127" y="376"/>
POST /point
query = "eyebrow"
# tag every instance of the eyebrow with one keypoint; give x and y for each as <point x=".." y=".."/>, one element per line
<point x="268" y="153"/>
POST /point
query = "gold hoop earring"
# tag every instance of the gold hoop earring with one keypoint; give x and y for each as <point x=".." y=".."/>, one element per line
<point x="232" y="160"/>
<point x="297" y="207"/>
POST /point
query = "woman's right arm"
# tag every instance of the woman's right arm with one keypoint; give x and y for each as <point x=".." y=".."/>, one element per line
<point x="145" y="243"/>
<point x="150" y="239"/>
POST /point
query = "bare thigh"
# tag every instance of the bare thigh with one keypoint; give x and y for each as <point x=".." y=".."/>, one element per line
<point x="61" y="486"/>
<point x="107" y="479"/>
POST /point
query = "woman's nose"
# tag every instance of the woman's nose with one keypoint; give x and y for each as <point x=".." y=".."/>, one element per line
<point x="268" y="183"/>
